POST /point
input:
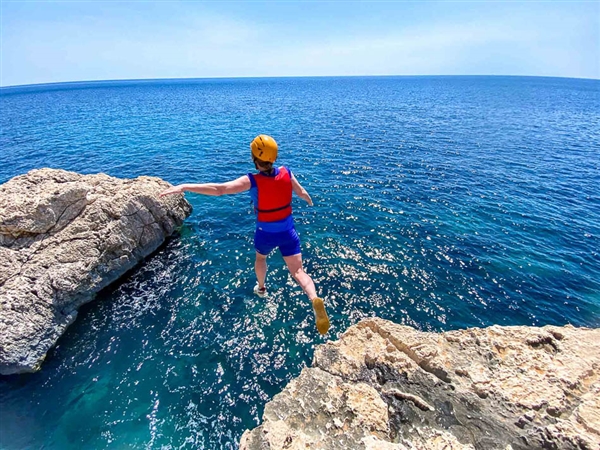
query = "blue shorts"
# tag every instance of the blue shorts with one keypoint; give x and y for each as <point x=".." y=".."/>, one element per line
<point x="287" y="241"/>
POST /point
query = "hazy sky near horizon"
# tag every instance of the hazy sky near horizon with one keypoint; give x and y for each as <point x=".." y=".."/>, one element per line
<point x="54" y="41"/>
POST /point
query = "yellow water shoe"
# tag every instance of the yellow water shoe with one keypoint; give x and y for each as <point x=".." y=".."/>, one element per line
<point x="320" y="315"/>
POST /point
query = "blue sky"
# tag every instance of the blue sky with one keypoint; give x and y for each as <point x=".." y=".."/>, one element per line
<point x="51" y="41"/>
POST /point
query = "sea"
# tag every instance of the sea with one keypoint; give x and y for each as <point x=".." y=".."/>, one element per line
<point x="440" y="203"/>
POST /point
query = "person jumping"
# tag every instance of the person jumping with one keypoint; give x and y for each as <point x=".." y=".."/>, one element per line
<point x="271" y="192"/>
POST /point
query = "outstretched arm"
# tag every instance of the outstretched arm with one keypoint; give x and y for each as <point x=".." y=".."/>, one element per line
<point x="231" y="187"/>
<point x="300" y="191"/>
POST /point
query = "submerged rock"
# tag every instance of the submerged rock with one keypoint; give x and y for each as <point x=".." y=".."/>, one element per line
<point x="386" y="386"/>
<point x="63" y="237"/>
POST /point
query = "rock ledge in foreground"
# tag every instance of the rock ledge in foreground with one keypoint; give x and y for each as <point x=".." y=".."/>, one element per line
<point x="64" y="237"/>
<point x="389" y="387"/>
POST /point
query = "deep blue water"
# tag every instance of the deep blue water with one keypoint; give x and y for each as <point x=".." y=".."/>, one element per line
<point x="440" y="203"/>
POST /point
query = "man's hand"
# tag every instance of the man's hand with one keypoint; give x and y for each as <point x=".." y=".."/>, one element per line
<point x="172" y="190"/>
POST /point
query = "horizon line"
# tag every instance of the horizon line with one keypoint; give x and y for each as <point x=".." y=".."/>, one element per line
<point x="53" y="83"/>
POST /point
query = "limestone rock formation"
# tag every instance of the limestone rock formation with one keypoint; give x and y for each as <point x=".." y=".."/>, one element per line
<point x="386" y="386"/>
<point x="63" y="237"/>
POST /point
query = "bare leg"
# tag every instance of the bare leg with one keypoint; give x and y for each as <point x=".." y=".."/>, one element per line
<point x="260" y="267"/>
<point x="294" y="264"/>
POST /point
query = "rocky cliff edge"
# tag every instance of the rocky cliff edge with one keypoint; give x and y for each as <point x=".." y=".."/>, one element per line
<point x="386" y="386"/>
<point x="63" y="237"/>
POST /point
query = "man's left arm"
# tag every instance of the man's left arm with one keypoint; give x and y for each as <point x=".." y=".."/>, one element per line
<point x="214" y="189"/>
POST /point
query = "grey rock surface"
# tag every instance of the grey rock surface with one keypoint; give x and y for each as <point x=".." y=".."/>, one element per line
<point x="386" y="386"/>
<point x="64" y="237"/>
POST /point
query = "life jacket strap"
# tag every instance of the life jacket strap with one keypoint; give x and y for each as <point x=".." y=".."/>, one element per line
<point x="273" y="210"/>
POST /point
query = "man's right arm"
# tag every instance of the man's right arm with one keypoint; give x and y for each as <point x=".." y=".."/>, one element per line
<point x="300" y="191"/>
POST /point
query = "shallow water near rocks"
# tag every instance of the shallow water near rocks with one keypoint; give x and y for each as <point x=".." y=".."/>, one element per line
<point x="440" y="203"/>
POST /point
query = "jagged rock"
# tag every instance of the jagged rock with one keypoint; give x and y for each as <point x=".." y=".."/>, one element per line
<point x="386" y="386"/>
<point x="63" y="237"/>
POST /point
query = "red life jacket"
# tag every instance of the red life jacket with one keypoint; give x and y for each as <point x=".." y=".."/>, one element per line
<point x="274" y="196"/>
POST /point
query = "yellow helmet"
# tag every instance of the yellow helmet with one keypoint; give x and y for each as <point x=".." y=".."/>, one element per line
<point x="264" y="148"/>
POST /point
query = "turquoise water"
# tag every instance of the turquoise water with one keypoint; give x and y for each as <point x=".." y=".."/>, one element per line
<point x="440" y="203"/>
